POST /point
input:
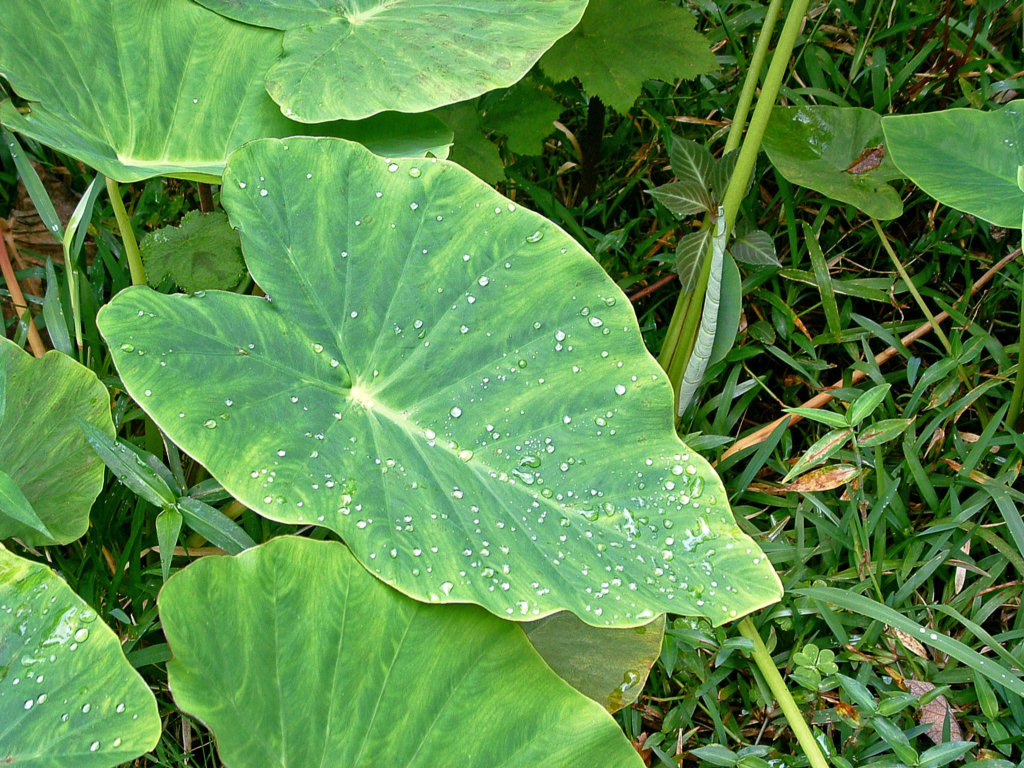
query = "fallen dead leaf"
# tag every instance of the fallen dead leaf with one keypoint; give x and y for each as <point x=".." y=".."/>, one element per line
<point x="934" y="713"/>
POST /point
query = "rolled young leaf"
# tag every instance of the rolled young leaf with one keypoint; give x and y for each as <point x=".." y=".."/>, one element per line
<point x="338" y="669"/>
<point x="68" y="696"/>
<point x="449" y="382"/>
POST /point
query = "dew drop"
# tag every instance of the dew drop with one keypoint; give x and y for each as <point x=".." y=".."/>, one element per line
<point x="210" y="423"/>
<point x="536" y="237"/>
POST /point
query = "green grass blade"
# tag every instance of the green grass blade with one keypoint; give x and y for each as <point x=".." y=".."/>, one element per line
<point x="34" y="186"/>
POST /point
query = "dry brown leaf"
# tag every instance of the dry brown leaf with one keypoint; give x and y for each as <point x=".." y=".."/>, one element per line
<point x="960" y="574"/>
<point x="934" y="713"/>
<point x="910" y="642"/>
<point x="867" y="160"/>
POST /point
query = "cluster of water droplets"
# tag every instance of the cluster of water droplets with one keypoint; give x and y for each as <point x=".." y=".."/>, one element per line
<point x="47" y="635"/>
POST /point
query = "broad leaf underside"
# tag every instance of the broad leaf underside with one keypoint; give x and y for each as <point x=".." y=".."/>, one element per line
<point x="159" y="88"/>
<point x="447" y="381"/>
<point x="354" y="58"/>
<point x="354" y="674"/>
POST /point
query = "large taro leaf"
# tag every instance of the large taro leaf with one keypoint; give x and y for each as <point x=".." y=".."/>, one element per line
<point x="819" y="147"/>
<point x="140" y="89"/>
<point x="448" y="381"/>
<point x="965" y="158"/>
<point x="68" y="696"/>
<point x="608" y="665"/>
<point x="348" y="59"/>
<point x="42" y="448"/>
<point x="343" y="671"/>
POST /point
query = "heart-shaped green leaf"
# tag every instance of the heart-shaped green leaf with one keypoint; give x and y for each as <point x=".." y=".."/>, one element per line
<point x="43" y="449"/>
<point x="68" y="696"/>
<point x="448" y="381"/>
<point x="347" y="672"/>
<point x="964" y="158"/>
<point x="608" y="665"/>
<point x="349" y="59"/>
<point x="166" y="88"/>
<point x="827" y="149"/>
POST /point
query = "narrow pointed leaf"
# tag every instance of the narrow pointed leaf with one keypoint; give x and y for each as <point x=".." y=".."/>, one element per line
<point x="882" y="432"/>
<point x="352" y="673"/>
<point x="14" y="506"/>
<point x="129" y="467"/>
<point x="171" y="90"/>
<point x="214" y="526"/>
<point x="866" y="404"/>
<point x="683" y="198"/>
<point x="42" y="448"/>
<point x="53" y="313"/>
<point x="691" y="251"/>
<point x="609" y="666"/>
<point x="823" y="449"/>
<point x="815" y="147"/>
<point x="965" y="158"/>
<point x="478" y="425"/>
<point x="349" y="59"/>
<point x="33" y="184"/>
<point x="690" y="161"/>
<point x="168" y="527"/>
<point x="68" y="696"/>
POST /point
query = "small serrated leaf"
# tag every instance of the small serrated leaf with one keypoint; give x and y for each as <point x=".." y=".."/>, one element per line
<point x="756" y="248"/>
<point x="525" y="114"/>
<point x="613" y="50"/>
<point x="203" y="253"/>
<point x="690" y="161"/>
<point x="691" y="251"/>
<point x="683" y="198"/>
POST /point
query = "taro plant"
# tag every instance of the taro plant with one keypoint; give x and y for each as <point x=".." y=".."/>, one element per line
<point x="67" y="693"/>
<point x="443" y="380"/>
